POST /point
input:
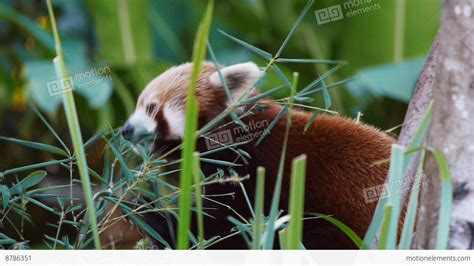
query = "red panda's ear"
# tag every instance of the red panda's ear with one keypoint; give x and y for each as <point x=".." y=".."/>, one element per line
<point x="239" y="78"/>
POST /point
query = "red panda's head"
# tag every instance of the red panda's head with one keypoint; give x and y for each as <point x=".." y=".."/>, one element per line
<point x="160" y="108"/>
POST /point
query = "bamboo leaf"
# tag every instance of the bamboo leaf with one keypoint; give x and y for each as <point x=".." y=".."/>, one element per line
<point x="35" y="166"/>
<point x="5" y="196"/>
<point x="311" y="120"/>
<point x="272" y="124"/>
<point x="36" y="145"/>
<point x="252" y="48"/>
<point x="310" y="61"/>
<point x="31" y="180"/>
<point x="326" y="96"/>
<point x="320" y="78"/>
<point x="263" y="95"/>
<point x="281" y="76"/>
<point x="50" y="128"/>
<point x="293" y="29"/>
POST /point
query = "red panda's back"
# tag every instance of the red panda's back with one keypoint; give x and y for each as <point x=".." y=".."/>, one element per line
<point x="341" y="155"/>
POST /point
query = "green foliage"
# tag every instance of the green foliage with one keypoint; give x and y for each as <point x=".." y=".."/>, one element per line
<point x="75" y="131"/>
<point x="189" y="140"/>
<point x="294" y="233"/>
<point x="140" y="40"/>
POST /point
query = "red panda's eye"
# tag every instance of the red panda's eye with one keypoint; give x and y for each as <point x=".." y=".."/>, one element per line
<point x="150" y="109"/>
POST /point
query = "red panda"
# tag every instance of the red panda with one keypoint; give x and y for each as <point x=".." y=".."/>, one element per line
<point x="340" y="153"/>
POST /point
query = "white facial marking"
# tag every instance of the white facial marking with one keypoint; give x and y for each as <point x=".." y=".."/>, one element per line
<point x="175" y="118"/>
<point x="141" y="122"/>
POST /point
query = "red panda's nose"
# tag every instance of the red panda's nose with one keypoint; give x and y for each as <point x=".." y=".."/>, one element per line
<point x="127" y="131"/>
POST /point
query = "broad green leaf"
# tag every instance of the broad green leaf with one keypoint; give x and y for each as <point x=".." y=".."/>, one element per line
<point x="92" y="82"/>
<point x="395" y="81"/>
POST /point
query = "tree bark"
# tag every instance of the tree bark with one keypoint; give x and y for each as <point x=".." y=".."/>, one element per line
<point x="452" y="130"/>
<point x="419" y="102"/>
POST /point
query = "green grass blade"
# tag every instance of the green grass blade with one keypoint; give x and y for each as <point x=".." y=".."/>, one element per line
<point x="446" y="200"/>
<point x="395" y="175"/>
<point x="293" y="29"/>
<point x="74" y="130"/>
<point x="344" y="228"/>
<point x="36" y="145"/>
<point x="258" y="221"/>
<point x="295" y="227"/>
<point x="385" y="226"/>
<point x="198" y="199"/>
<point x="189" y="140"/>
<point x="269" y="232"/>
<point x="252" y="48"/>
<point x="410" y="219"/>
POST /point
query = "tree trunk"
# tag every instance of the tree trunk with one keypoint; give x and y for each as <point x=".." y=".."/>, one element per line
<point x="452" y="130"/>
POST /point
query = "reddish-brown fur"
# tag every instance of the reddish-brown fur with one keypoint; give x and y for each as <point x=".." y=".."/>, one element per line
<point x="340" y="156"/>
